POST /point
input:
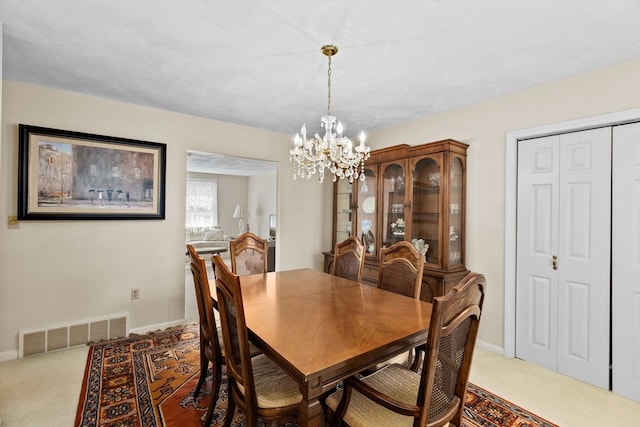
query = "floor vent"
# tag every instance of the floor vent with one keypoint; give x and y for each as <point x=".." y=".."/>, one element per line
<point x="72" y="335"/>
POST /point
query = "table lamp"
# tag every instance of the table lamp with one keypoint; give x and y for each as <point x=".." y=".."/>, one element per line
<point x="240" y="213"/>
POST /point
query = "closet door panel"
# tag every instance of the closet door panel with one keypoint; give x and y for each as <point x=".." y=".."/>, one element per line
<point x="537" y="281"/>
<point x="626" y="262"/>
<point x="583" y="255"/>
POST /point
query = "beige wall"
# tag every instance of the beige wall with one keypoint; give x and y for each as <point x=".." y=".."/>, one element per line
<point x="262" y="202"/>
<point x="58" y="272"/>
<point x="483" y="126"/>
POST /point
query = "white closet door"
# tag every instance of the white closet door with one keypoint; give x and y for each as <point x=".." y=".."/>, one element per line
<point x="562" y="314"/>
<point x="584" y="282"/>
<point x="626" y="261"/>
<point x="537" y="242"/>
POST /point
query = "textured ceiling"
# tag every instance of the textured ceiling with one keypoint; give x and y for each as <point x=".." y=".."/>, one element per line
<point x="227" y="165"/>
<point x="258" y="63"/>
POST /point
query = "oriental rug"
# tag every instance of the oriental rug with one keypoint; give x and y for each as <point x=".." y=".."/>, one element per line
<point x="148" y="381"/>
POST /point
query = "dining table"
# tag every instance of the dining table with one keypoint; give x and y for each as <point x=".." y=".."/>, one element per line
<point x="320" y="328"/>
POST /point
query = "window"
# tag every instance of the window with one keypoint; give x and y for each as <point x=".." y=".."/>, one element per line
<point x="202" y="203"/>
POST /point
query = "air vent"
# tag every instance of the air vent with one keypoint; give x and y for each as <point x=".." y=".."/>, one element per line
<point x="72" y="335"/>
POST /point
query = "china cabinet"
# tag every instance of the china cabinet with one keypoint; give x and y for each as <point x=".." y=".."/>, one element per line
<point x="413" y="193"/>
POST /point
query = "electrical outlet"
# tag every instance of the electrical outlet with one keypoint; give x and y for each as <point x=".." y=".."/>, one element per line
<point x="135" y="294"/>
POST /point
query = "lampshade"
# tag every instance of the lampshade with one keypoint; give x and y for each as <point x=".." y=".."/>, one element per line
<point x="240" y="212"/>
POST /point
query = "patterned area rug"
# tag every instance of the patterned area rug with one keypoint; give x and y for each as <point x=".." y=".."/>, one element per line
<point x="148" y="381"/>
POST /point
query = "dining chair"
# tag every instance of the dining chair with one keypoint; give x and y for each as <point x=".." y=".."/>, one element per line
<point x="210" y="334"/>
<point x="257" y="386"/>
<point x="348" y="259"/>
<point x="398" y="396"/>
<point x="248" y="254"/>
<point x="400" y="271"/>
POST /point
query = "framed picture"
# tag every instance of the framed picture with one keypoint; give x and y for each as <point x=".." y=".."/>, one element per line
<point x="66" y="175"/>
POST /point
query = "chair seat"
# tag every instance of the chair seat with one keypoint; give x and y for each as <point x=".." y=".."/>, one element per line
<point x="393" y="380"/>
<point x="401" y="359"/>
<point x="253" y="350"/>
<point x="274" y="388"/>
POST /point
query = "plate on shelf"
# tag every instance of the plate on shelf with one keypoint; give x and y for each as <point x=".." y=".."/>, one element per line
<point x="398" y="233"/>
<point x="369" y="205"/>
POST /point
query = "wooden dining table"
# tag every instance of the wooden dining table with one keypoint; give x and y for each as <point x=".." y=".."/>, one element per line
<point x="321" y="328"/>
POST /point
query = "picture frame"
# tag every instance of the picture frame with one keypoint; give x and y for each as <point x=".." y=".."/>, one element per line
<point x="67" y="175"/>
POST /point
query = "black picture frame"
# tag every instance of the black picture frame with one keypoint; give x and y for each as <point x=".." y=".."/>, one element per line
<point x="67" y="175"/>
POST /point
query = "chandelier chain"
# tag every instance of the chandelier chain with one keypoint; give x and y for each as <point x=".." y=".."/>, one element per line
<point x="329" y="86"/>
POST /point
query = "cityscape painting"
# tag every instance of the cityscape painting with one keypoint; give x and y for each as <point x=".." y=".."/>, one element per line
<point x="73" y="175"/>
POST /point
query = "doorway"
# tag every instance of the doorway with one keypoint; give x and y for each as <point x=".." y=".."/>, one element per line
<point x="240" y="181"/>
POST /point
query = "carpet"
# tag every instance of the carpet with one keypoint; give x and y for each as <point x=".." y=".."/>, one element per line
<point x="148" y="381"/>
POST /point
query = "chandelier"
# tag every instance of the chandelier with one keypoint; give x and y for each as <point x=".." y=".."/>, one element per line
<point x="333" y="151"/>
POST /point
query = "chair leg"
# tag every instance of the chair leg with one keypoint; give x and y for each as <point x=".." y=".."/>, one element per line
<point x="341" y="409"/>
<point x="204" y="369"/>
<point x="212" y="408"/>
<point x="252" y="418"/>
<point x="231" y="407"/>
<point x="215" y="392"/>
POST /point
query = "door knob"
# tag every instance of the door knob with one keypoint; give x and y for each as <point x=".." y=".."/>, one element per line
<point x="555" y="262"/>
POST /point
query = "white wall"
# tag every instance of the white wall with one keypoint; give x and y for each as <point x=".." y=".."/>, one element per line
<point x="58" y="272"/>
<point x="483" y="126"/>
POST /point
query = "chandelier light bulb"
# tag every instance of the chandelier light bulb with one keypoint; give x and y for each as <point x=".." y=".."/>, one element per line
<point x="363" y="138"/>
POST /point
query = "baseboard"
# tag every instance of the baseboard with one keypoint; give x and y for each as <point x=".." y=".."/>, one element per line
<point x="157" y="327"/>
<point x="8" y="355"/>
<point x="490" y="347"/>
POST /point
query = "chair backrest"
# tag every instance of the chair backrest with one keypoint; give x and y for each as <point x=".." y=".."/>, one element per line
<point x="452" y="335"/>
<point x="208" y="327"/>
<point x="234" y="330"/>
<point x="400" y="270"/>
<point x="248" y="254"/>
<point x="348" y="259"/>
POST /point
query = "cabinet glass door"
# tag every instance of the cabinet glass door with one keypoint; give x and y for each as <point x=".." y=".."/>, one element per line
<point x="366" y="214"/>
<point x="455" y="212"/>
<point x="426" y="219"/>
<point x="343" y="210"/>
<point x="393" y="204"/>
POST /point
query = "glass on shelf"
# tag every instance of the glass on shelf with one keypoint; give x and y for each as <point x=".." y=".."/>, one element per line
<point x="394" y="199"/>
<point x="425" y="215"/>
<point x="366" y="212"/>
<point x="455" y="209"/>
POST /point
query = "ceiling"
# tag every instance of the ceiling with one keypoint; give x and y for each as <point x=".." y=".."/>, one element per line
<point x="200" y="162"/>
<point x="258" y="63"/>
